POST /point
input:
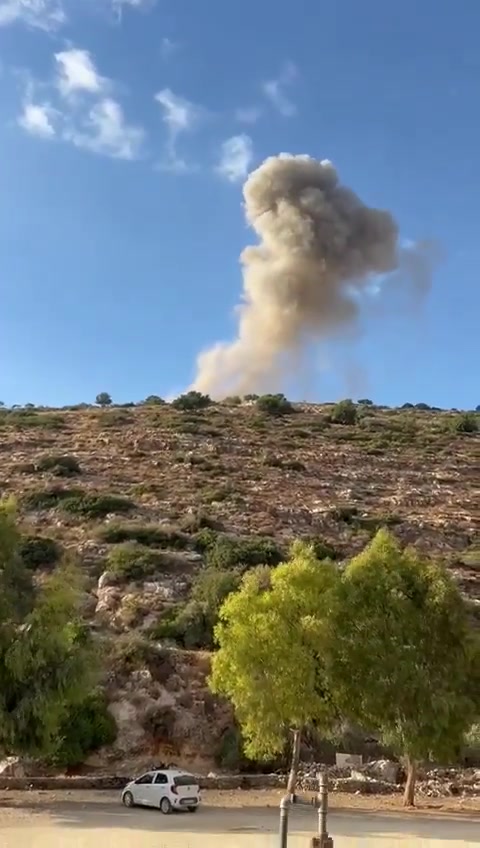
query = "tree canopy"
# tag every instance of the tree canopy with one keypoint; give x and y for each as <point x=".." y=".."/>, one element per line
<point x="269" y="662"/>
<point x="401" y="655"/>
<point x="46" y="657"/>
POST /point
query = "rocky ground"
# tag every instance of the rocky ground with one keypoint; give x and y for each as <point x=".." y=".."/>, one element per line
<point x="161" y="477"/>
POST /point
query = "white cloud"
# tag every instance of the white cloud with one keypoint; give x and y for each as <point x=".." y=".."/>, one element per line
<point x="236" y="158"/>
<point x="105" y="131"/>
<point x="48" y="15"/>
<point x="179" y="116"/>
<point x="168" y="48"/>
<point x="37" y="119"/>
<point x="274" y="90"/>
<point x="248" y="115"/>
<point x="118" y="6"/>
<point x="77" y="72"/>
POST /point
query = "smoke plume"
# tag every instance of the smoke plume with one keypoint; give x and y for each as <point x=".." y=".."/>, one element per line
<point x="319" y="247"/>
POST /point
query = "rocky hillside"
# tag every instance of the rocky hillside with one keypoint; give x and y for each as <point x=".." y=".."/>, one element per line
<point x="150" y="499"/>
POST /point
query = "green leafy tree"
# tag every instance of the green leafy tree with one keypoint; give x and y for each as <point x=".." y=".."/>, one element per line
<point x="401" y="657"/>
<point x="269" y="663"/>
<point x="154" y="400"/>
<point x="344" y="412"/>
<point x="274" y="405"/>
<point x="191" y="401"/>
<point x="46" y="658"/>
<point x="103" y="399"/>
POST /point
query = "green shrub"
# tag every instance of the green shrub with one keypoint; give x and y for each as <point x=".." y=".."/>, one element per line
<point x="144" y="534"/>
<point x="90" y="505"/>
<point x="86" y="728"/>
<point x="344" y="412"/>
<point x="466" y="422"/>
<point x="191" y="400"/>
<point x="61" y="466"/>
<point x="38" y="552"/>
<point x="251" y="397"/>
<point x="192" y="624"/>
<point x="229" y="552"/>
<point x="48" y="498"/>
<point x="274" y="405"/>
<point x="131" y="561"/>
<point x="153" y="400"/>
<point x="22" y="419"/>
<point x="205" y="538"/>
<point x="323" y="549"/>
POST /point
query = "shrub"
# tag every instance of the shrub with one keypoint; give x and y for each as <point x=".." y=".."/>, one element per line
<point x="228" y="552"/>
<point x="251" y="397"/>
<point x="365" y="402"/>
<point x="103" y="399"/>
<point x="467" y="422"/>
<point x="90" y="505"/>
<point x="153" y="400"/>
<point x="323" y="549"/>
<point x="344" y="412"/>
<point x="233" y="400"/>
<point x="407" y="406"/>
<point x="61" y="466"/>
<point x="86" y="728"/>
<point x="196" y="521"/>
<point x="144" y="534"/>
<point x="205" y="538"/>
<point x="132" y="561"/>
<point x="114" y="418"/>
<point x="274" y="405"/>
<point x="38" y="552"/>
<point x="48" y="498"/>
<point x="423" y="406"/>
<point x="191" y="400"/>
<point x="22" y="419"/>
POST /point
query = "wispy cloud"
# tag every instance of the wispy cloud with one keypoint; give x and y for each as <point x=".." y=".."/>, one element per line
<point x="168" y="47"/>
<point x="119" y="6"/>
<point x="236" y="158"/>
<point x="48" y="15"/>
<point x="105" y="131"/>
<point x="37" y="119"/>
<point x="179" y="116"/>
<point x="77" y="72"/>
<point x="274" y="90"/>
<point x="248" y="114"/>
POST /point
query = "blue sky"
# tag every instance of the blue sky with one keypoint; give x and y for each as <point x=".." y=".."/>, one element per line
<point x="126" y="129"/>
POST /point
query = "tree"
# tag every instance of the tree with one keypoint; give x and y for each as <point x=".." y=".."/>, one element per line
<point x="344" y="412"/>
<point x="365" y="402"/>
<point x="269" y="663"/>
<point x="400" y="653"/>
<point x="191" y="401"/>
<point x="153" y="400"/>
<point x="46" y="658"/>
<point x="274" y="405"/>
<point x="103" y="399"/>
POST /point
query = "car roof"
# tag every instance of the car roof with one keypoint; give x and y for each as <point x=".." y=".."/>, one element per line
<point x="172" y="772"/>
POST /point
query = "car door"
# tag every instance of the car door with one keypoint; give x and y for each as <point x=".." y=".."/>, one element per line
<point x="143" y="789"/>
<point x="160" y="787"/>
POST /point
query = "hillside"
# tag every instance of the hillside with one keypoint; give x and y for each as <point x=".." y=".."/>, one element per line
<point x="146" y="497"/>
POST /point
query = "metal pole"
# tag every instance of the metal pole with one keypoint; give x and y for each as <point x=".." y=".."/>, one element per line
<point x="322" y="806"/>
<point x="284" y="808"/>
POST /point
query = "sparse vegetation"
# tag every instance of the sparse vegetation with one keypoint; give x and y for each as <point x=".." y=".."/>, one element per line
<point x="90" y="505"/>
<point x="344" y="412"/>
<point x="467" y="422"/>
<point x="60" y="466"/>
<point x="145" y="534"/>
<point x="131" y="561"/>
<point x="86" y="727"/>
<point x="228" y="552"/>
<point x="38" y="552"/>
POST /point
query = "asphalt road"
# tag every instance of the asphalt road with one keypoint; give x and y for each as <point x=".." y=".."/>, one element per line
<point x="71" y="825"/>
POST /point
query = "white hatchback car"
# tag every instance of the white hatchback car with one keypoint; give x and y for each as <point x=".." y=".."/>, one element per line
<point x="165" y="789"/>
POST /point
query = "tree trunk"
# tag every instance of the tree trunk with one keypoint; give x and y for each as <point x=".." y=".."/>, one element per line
<point x="292" y="777"/>
<point x="409" y="794"/>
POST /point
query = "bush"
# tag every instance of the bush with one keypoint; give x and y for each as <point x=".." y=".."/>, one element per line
<point x="132" y="561"/>
<point x="38" y="552"/>
<point x="86" y="728"/>
<point x="467" y="422"/>
<point x="233" y="400"/>
<point x="103" y="399"/>
<point x="89" y="505"/>
<point x="251" y="397"/>
<point x="365" y="402"/>
<point x="323" y="550"/>
<point x="144" y="534"/>
<point x="114" y="418"/>
<point x="192" y="624"/>
<point x="48" y="498"/>
<point x="407" y="406"/>
<point x="191" y="400"/>
<point x="423" y="406"/>
<point x="344" y="412"/>
<point x="153" y="400"/>
<point x="274" y="405"/>
<point x="228" y="552"/>
<point x="61" y="466"/>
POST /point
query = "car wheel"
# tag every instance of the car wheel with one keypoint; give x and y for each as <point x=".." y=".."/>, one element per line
<point x="192" y="809"/>
<point x="128" y="799"/>
<point x="165" y="806"/>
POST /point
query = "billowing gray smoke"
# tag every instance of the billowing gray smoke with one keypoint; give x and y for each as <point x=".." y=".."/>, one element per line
<point x="319" y="247"/>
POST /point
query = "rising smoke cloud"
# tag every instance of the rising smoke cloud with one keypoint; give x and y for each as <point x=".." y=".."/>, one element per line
<point x="319" y="247"/>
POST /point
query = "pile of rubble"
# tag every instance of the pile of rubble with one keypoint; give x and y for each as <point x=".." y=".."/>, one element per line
<point x="383" y="777"/>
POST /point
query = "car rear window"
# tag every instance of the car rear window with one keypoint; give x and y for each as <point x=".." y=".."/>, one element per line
<point x="185" y="780"/>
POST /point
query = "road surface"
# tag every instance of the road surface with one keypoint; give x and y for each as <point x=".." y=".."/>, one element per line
<point x="71" y="824"/>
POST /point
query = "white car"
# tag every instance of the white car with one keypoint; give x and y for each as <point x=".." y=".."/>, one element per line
<point x="165" y="789"/>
